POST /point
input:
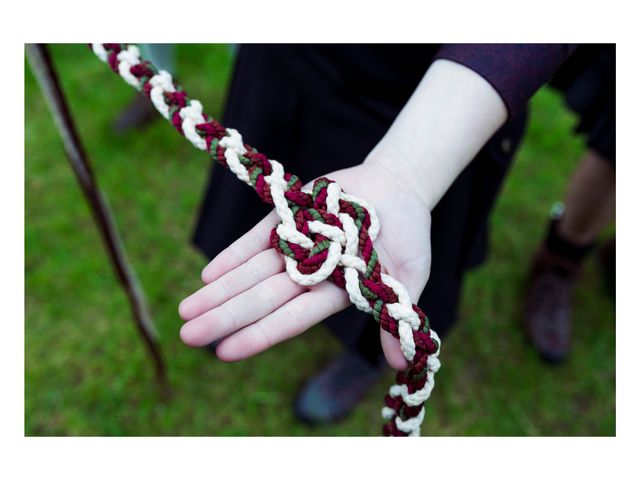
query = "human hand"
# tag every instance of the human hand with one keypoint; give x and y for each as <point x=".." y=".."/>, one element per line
<point x="250" y="301"/>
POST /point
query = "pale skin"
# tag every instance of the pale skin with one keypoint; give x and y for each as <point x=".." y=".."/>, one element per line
<point x="590" y="201"/>
<point x="249" y="300"/>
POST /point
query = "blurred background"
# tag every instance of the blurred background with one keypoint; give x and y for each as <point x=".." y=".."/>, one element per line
<point x="87" y="371"/>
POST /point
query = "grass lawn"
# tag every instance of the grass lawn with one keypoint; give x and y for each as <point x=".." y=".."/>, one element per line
<point x="87" y="372"/>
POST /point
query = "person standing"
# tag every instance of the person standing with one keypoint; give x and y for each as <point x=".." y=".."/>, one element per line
<point x="587" y="81"/>
<point x="440" y="143"/>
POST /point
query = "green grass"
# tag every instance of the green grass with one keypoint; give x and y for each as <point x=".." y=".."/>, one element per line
<point x="86" y="370"/>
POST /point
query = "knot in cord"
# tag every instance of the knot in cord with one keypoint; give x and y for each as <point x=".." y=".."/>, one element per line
<point x="324" y="233"/>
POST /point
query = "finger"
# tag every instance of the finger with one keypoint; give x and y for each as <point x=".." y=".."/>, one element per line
<point x="390" y="344"/>
<point x="414" y="281"/>
<point x="259" y="267"/>
<point x="240" y="311"/>
<point x="290" y="320"/>
<point x="392" y="351"/>
<point x="251" y="243"/>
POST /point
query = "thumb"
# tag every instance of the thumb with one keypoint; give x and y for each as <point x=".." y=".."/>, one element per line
<point x="414" y="282"/>
<point x="392" y="352"/>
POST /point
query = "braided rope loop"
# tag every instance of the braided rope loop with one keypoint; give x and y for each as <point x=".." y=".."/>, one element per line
<point x="323" y="234"/>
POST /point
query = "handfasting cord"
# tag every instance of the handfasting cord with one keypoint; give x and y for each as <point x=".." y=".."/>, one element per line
<point x="324" y="233"/>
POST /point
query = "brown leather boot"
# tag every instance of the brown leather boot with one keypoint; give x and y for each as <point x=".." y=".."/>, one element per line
<point x="547" y="312"/>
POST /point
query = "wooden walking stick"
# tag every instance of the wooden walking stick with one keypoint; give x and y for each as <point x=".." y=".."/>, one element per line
<point x="45" y="73"/>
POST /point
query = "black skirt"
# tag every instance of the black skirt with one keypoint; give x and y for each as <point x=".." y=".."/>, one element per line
<point x="321" y="108"/>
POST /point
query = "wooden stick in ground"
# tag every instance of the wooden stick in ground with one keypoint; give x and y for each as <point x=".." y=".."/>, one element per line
<point x="43" y="68"/>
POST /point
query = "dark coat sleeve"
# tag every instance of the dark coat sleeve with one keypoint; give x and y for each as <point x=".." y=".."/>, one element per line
<point x="516" y="71"/>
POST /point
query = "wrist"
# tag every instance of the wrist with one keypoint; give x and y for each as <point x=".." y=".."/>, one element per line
<point x="402" y="173"/>
<point x="450" y="116"/>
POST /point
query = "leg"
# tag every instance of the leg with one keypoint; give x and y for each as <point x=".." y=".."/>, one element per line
<point x="590" y="203"/>
<point x="589" y="207"/>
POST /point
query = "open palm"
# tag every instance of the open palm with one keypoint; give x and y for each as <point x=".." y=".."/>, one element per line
<point x="250" y="301"/>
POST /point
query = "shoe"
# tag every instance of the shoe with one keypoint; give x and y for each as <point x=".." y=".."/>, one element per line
<point x="335" y="391"/>
<point x="138" y="114"/>
<point x="547" y="312"/>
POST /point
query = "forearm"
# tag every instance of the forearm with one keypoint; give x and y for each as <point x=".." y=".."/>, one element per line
<point x="448" y="119"/>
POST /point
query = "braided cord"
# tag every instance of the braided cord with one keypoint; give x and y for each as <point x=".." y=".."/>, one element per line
<point x="323" y="233"/>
